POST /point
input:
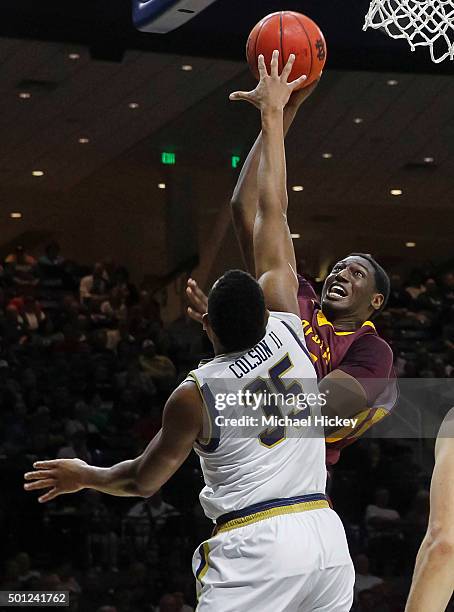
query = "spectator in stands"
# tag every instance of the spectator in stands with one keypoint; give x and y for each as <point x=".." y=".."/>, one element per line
<point x="102" y="540"/>
<point x="52" y="258"/>
<point x="150" y="307"/>
<point x="120" y="339"/>
<point x="431" y="300"/>
<point x="136" y="381"/>
<point x="69" y="311"/>
<point x="179" y="596"/>
<point x="383" y="525"/>
<point x="147" y="517"/>
<point x="80" y="421"/>
<point x="26" y="573"/>
<point x="22" y="268"/>
<point x="448" y="329"/>
<point x="157" y="367"/>
<point x="30" y="313"/>
<point x="140" y="327"/>
<point x="154" y="509"/>
<point x="100" y="353"/>
<point x="76" y="448"/>
<point x="67" y="579"/>
<point x="364" y="580"/>
<point x="447" y="288"/>
<point x="168" y="603"/>
<point x="53" y="278"/>
<point x="73" y="340"/>
<point x="115" y="308"/>
<point x="149" y="421"/>
<point x="94" y="287"/>
<point x="13" y="328"/>
<point x="187" y="344"/>
<point x="128" y="290"/>
<point x="415" y="284"/>
<point x="399" y="299"/>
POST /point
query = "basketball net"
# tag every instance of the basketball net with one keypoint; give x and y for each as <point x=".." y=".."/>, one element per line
<point x="428" y="23"/>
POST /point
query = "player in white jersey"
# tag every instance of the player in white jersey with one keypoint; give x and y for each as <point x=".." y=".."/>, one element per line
<point x="254" y="451"/>
<point x="277" y="545"/>
<point x="264" y="468"/>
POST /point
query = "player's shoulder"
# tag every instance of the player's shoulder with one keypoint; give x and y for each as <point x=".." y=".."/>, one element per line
<point x="374" y="342"/>
<point x="306" y="289"/>
<point x="447" y="426"/>
<point x="186" y="392"/>
<point x="372" y="352"/>
<point x="444" y="445"/>
<point x="292" y="322"/>
<point x="288" y="318"/>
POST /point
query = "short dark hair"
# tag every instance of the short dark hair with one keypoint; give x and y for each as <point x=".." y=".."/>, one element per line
<point x="382" y="282"/>
<point x="236" y="309"/>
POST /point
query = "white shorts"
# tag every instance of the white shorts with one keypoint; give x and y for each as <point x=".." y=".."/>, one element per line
<point x="289" y="563"/>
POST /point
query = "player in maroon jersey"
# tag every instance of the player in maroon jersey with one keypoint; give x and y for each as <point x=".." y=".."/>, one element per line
<point x="352" y="362"/>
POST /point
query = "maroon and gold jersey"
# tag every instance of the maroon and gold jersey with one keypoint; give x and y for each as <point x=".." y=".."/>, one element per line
<point x="360" y="353"/>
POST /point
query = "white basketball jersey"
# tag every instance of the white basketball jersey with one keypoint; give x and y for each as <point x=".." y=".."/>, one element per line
<point x="255" y="451"/>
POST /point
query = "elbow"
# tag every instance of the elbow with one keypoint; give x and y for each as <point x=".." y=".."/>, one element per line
<point x="145" y="492"/>
<point x="138" y="488"/>
<point x="236" y="205"/>
<point x="442" y="547"/>
<point x="440" y="542"/>
<point x="138" y="484"/>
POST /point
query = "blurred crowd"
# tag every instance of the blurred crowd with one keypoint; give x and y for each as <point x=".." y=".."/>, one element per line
<point x="86" y="365"/>
<point x="85" y="368"/>
<point x="419" y="323"/>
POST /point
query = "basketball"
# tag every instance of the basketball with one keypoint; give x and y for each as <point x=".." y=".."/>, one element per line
<point x="288" y="32"/>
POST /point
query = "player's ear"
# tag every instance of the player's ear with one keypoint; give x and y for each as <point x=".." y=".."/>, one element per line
<point x="377" y="301"/>
<point x="208" y="329"/>
<point x="206" y="323"/>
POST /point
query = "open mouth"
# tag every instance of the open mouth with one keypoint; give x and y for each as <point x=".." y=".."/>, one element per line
<point x="337" y="291"/>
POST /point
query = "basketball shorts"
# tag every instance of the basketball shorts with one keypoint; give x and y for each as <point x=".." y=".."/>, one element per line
<point x="294" y="561"/>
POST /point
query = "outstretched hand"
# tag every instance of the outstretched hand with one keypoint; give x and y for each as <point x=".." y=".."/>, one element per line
<point x="198" y="301"/>
<point x="273" y="90"/>
<point x="59" y="476"/>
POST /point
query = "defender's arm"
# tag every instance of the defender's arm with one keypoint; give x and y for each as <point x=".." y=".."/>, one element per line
<point x="143" y="476"/>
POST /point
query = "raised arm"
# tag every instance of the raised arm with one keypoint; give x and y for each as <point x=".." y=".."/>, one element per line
<point x="141" y="477"/>
<point x="244" y="203"/>
<point x="274" y="255"/>
<point x="245" y="196"/>
<point x="433" y="579"/>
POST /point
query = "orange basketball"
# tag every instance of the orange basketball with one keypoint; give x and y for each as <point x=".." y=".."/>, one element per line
<point x="288" y="32"/>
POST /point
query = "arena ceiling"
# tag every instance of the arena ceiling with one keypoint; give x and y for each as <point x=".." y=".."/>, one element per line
<point x="379" y="120"/>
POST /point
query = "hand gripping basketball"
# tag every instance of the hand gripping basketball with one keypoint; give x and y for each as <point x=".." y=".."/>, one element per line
<point x="273" y="90"/>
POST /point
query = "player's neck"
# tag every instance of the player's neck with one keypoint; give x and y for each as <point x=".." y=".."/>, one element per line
<point x="218" y="349"/>
<point x="346" y="322"/>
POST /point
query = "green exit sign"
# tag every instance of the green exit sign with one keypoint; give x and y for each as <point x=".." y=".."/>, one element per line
<point x="235" y="161"/>
<point x="168" y="159"/>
